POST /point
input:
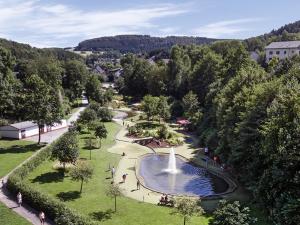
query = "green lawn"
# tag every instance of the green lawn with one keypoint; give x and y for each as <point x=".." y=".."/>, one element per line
<point x="14" y="152"/>
<point x="93" y="201"/>
<point x="8" y="217"/>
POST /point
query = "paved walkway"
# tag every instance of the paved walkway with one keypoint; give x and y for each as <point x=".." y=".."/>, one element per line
<point x="26" y="211"/>
<point x="51" y="136"/>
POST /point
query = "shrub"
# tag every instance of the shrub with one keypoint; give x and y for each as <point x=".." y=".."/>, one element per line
<point x="163" y="132"/>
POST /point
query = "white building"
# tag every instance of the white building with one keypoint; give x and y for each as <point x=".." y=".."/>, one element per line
<point x="282" y="50"/>
<point x="27" y="129"/>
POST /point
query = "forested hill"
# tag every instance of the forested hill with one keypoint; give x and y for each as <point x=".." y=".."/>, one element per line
<point x="138" y="43"/>
<point x="288" y="32"/>
<point x="26" y="52"/>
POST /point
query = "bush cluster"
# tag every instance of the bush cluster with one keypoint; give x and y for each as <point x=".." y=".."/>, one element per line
<point x="53" y="208"/>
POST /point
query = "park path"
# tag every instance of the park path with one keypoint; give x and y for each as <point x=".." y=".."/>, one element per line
<point x="26" y="211"/>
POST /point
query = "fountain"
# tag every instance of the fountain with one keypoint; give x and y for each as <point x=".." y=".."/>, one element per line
<point x="172" y="163"/>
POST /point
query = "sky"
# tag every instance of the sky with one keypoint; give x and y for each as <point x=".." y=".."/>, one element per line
<point x="64" y="23"/>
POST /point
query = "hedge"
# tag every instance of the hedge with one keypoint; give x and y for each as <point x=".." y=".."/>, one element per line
<point x="53" y="208"/>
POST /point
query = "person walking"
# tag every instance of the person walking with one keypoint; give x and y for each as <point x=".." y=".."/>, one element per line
<point x="124" y="177"/>
<point x="42" y="217"/>
<point x="138" y="185"/>
<point x="206" y="151"/>
<point x="113" y="171"/>
<point x="19" y="199"/>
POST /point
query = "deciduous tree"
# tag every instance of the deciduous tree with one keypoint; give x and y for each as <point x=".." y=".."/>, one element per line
<point x="187" y="207"/>
<point x="82" y="172"/>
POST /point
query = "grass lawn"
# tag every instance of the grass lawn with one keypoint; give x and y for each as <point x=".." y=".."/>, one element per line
<point x="8" y="217"/>
<point x="93" y="201"/>
<point x="14" y="152"/>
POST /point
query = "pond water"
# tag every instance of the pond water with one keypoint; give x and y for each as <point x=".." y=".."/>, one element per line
<point x="190" y="180"/>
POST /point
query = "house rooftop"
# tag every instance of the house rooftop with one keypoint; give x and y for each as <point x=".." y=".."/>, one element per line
<point x="23" y="125"/>
<point x="284" y="44"/>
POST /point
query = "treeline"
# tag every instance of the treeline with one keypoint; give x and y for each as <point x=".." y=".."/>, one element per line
<point x="43" y="84"/>
<point x="138" y="43"/>
<point x="247" y="115"/>
<point x="23" y="52"/>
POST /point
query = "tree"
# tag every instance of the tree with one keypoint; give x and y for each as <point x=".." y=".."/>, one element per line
<point x="191" y="108"/>
<point x="75" y="78"/>
<point x="103" y="113"/>
<point x="150" y="105"/>
<point x="187" y="207"/>
<point x="82" y="171"/>
<point x="135" y="73"/>
<point x="157" y="80"/>
<point x="87" y="116"/>
<point x="100" y="132"/>
<point x="114" y="191"/>
<point x="90" y="144"/>
<point x="190" y="104"/>
<point x="179" y="72"/>
<point x="232" y="214"/>
<point x="10" y="88"/>
<point x="163" y="108"/>
<point x="43" y="103"/>
<point x="50" y="71"/>
<point x="92" y="87"/>
<point x="66" y="149"/>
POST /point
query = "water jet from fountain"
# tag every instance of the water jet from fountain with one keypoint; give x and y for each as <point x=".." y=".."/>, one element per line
<point x="172" y="163"/>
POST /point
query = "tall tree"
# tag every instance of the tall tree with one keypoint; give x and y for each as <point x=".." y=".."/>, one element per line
<point x="179" y="72"/>
<point x="9" y="86"/>
<point x="163" y="108"/>
<point x="92" y="88"/>
<point x="135" y="73"/>
<point x="75" y="78"/>
<point x="43" y="103"/>
<point x="100" y="132"/>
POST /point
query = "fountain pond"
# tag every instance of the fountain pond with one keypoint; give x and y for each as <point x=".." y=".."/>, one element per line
<point x="170" y="174"/>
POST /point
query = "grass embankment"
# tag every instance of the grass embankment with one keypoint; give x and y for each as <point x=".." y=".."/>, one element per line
<point x="8" y="217"/>
<point x="93" y="201"/>
<point x="14" y="152"/>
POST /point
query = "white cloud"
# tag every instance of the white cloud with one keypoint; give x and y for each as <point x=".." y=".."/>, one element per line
<point x="44" y="24"/>
<point x="223" y="28"/>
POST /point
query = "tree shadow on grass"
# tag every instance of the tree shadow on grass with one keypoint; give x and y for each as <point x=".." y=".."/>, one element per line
<point x="49" y="177"/>
<point x="68" y="196"/>
<point x="20" y="149"/>
<point x="102" y="215"/>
